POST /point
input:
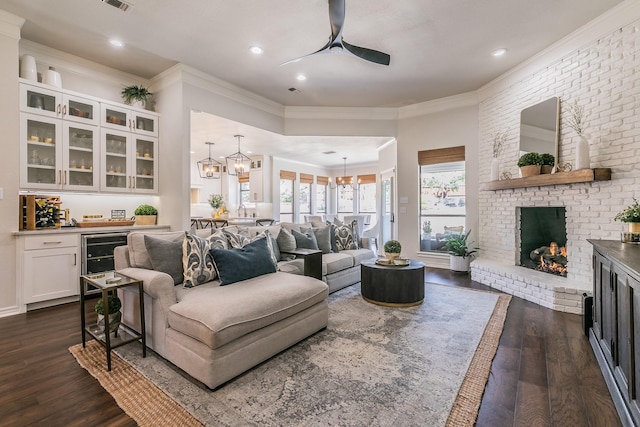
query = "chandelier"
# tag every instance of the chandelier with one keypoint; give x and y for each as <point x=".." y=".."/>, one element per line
<point x="342" y="180"/>
<point x="209" y="168"/>
<point x="238" y="163"/>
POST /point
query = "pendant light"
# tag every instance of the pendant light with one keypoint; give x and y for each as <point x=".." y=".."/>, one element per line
<point x="342" y="179"/>
<point x="237" y="163"/>
<point x="209" y="168"/>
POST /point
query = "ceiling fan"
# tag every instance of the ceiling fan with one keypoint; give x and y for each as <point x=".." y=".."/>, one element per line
<point x="338" y="45"/>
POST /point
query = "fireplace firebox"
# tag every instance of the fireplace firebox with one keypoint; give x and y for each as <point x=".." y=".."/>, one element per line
<point x="543" y="239"/>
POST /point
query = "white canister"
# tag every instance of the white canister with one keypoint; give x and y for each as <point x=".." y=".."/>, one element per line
<point x="52" y="77"/>
<point x="28" y="69"/>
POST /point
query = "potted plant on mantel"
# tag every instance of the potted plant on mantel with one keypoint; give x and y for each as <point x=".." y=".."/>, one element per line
<point x="530" y="164"/>
<point x="548" y="161"/>
<point x="460" y="254"/>
<point x="115" y="316"/>
<point x="631" y="215"/>
<point x="146" y="215"/>
<point x="392" y="249"/>
<point x="136" y="96"/>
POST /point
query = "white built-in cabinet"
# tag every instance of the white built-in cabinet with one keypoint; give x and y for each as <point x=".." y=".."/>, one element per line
<point x="129" y="162"/>
<point x="256" y="179"/>
<point x="70" y="142"/>
<point x="49" y="266"/>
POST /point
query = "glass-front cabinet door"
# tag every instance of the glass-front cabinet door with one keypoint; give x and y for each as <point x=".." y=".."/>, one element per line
<point x="80" y="109"/>
<point x="116" y="164"/>
<point x="80" y="160"/>
<point x="144" y="124"/>
<point x="52" y="103"/>
<point x="117" y="117"/>
<point x="146" y="164"/>
<point x="40" y="152"/>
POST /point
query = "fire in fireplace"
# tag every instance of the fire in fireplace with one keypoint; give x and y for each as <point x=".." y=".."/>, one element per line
<point x="543" y="239"/>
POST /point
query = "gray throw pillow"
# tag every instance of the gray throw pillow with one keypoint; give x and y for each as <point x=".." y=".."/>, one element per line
<point x="286" y="241"/>
<point x="231" y="264"/>
<point x="166" y="256"/>
<point x="306" y="240"/>
<point x="332" y="237"/>
<point x="345" y="237"/>
<point x="323" y="238"/>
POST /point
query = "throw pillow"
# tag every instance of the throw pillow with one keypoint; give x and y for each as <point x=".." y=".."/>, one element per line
<point x="323" y="238"/>
<point x="166" y="256"/>
<point x="196" y="257"/>
<point x="286" y="241"/>
<point x="332" y="236"/>
<point x="356" y="233"/>
<point x="345" y="238"/>
<point x="306" y="240"/>
<point x="232" y="265"/>
<point x="236" y="240"/>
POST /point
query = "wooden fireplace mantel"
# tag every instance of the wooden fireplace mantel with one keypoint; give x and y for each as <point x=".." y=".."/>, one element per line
<point x="559" y="178"/>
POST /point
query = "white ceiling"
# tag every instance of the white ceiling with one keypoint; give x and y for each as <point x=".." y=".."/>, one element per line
<point x="438" y="48"/>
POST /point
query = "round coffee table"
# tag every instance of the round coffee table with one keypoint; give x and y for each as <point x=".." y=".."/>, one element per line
<point x="391" y="285"/>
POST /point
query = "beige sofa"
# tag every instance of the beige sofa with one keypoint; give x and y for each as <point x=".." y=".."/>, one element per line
<point x="214" y="332"/>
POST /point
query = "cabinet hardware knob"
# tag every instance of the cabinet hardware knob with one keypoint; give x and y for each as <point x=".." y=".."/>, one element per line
<point x="64" y="110"/>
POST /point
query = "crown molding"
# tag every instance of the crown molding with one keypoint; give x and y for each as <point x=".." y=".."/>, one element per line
<point x="220" y="87"/>
<point x="615" y="18"/>
<point x="75" y="64"/>
<point x="341" y="113"/>
<point x="466" y="99"/>
<point x="10" y="25"/>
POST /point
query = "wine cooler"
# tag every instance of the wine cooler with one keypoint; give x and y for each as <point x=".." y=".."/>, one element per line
<point x="97" y="253"/>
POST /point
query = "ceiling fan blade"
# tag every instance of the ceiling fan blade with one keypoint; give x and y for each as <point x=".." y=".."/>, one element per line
<point x="368" y="54"/>
<point x="336" y="17"/>
<point x="323" y="49"/>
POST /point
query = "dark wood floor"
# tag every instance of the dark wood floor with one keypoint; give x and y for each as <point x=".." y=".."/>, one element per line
<point x="544" y="373"/>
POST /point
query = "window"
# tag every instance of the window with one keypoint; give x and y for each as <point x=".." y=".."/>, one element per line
<point x="304" y="195"/>
<point x="442" y="196"/>
<point x="321" y="194"/>
<point x="345" y="198"/>
<point x="286" y="195"/>
<point x="367" y="193"/>
<point x="245" y="194"/>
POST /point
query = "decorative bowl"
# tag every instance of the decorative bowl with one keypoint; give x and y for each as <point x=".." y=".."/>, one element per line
<point x="401" y="261"/>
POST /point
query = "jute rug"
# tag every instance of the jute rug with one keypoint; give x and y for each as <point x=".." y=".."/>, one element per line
<point x="372" y="366"/>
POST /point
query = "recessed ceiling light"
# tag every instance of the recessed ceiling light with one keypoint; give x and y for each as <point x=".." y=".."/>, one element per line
<point x="192" y="152"/>
<point x="257" y="50"/>
<point x="499" y="52"/>
<point x="116" y="43"/>
<point x="301" y="77"/>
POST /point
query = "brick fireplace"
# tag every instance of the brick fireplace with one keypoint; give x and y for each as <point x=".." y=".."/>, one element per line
<point x="542" y="239"/>
<point x="602" y="77"/>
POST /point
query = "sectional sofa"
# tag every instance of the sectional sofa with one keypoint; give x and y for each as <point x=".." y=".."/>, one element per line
<point x="214" y="331"/>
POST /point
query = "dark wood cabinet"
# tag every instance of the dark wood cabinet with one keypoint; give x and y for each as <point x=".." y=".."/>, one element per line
<point x="615" y="335"/>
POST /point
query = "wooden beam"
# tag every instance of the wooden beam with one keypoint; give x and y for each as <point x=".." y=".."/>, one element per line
<point x="560" y="178"/>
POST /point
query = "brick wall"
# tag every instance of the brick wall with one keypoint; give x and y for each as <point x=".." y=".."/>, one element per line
<point x="604" y="77"/>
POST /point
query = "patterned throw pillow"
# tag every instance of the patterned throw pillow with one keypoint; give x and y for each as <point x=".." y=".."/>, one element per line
<point x="236" y="240"/>
<point x="196" y="257"/>
<point x="346" y="236"/>
<point x="332" y="237"/>
<point x="240" y="240"/>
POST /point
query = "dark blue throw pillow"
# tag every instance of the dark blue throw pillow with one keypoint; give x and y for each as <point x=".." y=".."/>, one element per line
<point x="237" y="264"/>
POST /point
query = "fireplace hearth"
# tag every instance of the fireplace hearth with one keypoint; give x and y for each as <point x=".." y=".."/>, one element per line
<point x="543" y="239"/>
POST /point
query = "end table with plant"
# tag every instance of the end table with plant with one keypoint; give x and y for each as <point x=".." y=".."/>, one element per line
<point x="115" y="316"/>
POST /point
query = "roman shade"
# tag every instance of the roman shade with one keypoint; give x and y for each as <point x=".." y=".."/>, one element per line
<point x="440" y="155"/>
<point x="322" y="180"/>
<point x="287" y="175"/>
<point x="306" y="178"/>
<point x="367" y="179"/>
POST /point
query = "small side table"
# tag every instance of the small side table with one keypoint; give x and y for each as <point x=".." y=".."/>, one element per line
<point x="111" y="281"/>
<point x="312" y="261"/>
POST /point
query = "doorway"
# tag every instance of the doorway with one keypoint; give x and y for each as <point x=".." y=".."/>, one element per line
<point x="387" y="203"/>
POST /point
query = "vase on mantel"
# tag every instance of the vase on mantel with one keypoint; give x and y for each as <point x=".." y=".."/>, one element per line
<point x="495" y="169"/>
<point x="583" y="160"/>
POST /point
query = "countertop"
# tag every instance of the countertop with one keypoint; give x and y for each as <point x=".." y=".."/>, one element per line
<point x="88" y="230"/>
<point x="627" y="254"/>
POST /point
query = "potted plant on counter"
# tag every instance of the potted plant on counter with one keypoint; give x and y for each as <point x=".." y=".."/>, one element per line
<point x="146" y="215"/>
<point x="136" y="96"/>
<point x="631" y="215"/>
<point x="460" y="252"/>
<point x="115" y="316"/>
<point x="392" y="249"/>
<point x="530" y="164"/>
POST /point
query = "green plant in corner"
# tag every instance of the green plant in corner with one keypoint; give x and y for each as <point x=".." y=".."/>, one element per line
<point x="114" y="305"/>
<point x="630" y="214"/>
<point x="145" y="210"/>
<point x="529" y="159"/>
<point x="135" y="93"/>
<point x="392" y="247"/>
<point x="458" y="245"/>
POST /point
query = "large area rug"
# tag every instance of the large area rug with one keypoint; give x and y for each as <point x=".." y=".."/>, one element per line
<point x="372" y="366"/>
